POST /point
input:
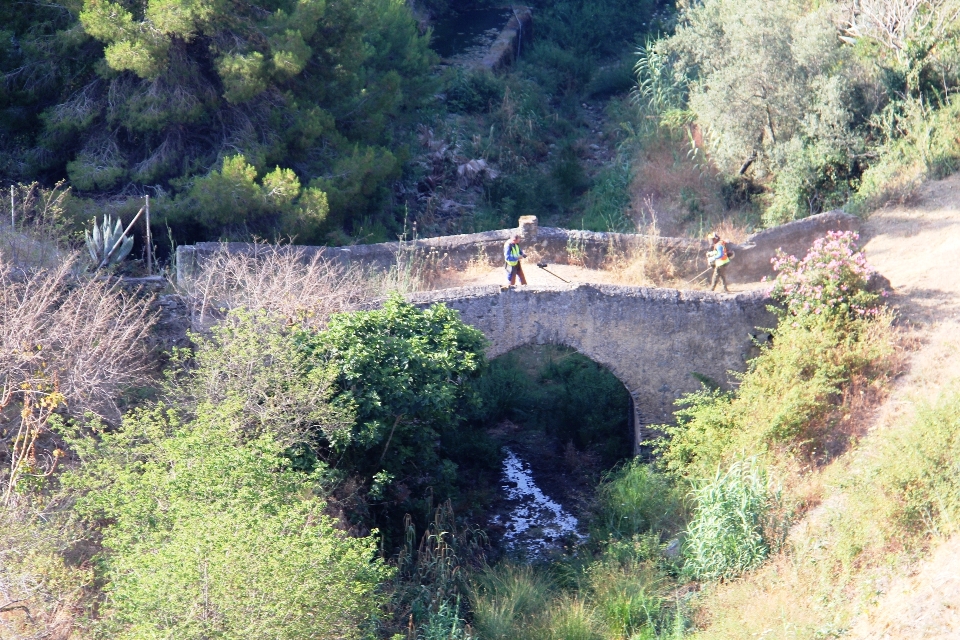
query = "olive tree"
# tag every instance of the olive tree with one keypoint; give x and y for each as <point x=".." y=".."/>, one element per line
<point x="754" y="70"/>
<point x="772" y="86"/>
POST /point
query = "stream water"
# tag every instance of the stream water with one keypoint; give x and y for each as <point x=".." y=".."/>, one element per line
<point x="535" y="524"/>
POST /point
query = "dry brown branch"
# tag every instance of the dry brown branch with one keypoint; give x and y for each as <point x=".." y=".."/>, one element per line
<point x="87" y="334"/>
<point x="38" y="232"/>
<point x="66" y="345"/>
<point x="894" y="23"/>
<point x="283" y="280"/>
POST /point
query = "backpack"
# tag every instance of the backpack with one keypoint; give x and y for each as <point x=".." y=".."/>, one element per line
<point x="727" y="251"/>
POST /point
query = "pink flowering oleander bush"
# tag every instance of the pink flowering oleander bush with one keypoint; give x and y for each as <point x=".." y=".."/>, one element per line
<point x="830" y="282"/>
<point x="833" y="335"/>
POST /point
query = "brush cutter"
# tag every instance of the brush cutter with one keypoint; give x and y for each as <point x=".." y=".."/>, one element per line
<point x="543" y="265"/>
<point x="700" y="275"/>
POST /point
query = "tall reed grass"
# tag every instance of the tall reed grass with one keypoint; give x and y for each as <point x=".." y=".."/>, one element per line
<point x="726" y="536"/>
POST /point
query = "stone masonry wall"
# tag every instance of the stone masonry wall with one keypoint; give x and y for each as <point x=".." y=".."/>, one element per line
<point x="651" y="339"/>
<point x="557" y="246"/>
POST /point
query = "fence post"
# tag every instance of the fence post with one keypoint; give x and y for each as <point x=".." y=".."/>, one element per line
<point x="149" y="240"/>
<point x="13" y="212"/>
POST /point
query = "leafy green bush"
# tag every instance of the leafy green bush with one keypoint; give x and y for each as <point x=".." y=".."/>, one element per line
<point x="474" y="91"/>
<point x="207" y="535"/>
<point x="607" y="200"/>
<point x="594" y="28"/>
<point x="811" y="180"/>
<point x="637" y="499"/>
<point x="251" y="375"/>
<point x="726" y="535"/>
<point x="791" y="388"/>
<point x="46" y="577"/>
<point x="232" y="201"/>
<point x="407" y="374"/>
<point x="751" y="98"/>
<point x="917" y="142"/>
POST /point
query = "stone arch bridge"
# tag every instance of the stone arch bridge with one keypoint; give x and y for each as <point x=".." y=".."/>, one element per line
<point x="653" y="340"/>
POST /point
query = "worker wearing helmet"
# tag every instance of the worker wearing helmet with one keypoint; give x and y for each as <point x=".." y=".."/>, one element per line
<point x="718" y="258"/>
<point x="511" y="255"/>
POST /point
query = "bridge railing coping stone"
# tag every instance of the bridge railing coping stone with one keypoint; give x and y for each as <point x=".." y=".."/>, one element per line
<point x="550" y="244"/>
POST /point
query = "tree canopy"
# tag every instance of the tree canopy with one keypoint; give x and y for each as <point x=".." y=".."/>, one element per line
<point x="162" y="92"/>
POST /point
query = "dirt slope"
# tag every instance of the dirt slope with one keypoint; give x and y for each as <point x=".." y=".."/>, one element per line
<point x="917" y="246"/>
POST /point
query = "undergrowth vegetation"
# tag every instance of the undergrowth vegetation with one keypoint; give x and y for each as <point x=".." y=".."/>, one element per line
<point x="314" y="464"/>
<point x="331" y="449"/>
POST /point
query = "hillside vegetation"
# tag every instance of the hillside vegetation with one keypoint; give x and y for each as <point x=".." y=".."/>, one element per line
<point x="330" y="122"/>
<point x="317" y="458"/>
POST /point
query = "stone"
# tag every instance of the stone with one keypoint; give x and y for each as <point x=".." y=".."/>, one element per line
<point x="528" y="228"/>
<point x="652" y="340"/>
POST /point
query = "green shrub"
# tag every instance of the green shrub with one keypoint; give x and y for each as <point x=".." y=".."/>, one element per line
<point x="205" y="535"/>
<point x="830" y="283"/>
<point x="606" y="202"/>
<point x="813" y="179"/>
<point x="46" y="576"/>
<point x="826" y="337"/>
<point x="408" y="373"/>
<point x="236" y="201"/>
<point x="251" y="375"/>
<point x="636" y="499"/>
<point x="726" y="536"/>
<point x="918" y="142"/>
<point x="558" y="70"/>
<point x="474" y="91"/>
<point x="597" y="28"/>
<point x="908" y="489"/>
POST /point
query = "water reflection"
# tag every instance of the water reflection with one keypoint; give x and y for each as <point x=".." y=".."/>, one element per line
<point x="536" y="524"/>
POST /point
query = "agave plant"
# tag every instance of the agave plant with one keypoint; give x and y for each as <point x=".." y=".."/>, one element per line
<point x="108" y="245"/>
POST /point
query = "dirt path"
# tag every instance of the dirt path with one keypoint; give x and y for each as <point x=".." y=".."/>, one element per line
<point x="916" y="246"/>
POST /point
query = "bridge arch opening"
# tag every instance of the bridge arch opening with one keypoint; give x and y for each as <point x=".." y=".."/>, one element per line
<point x="560" y="421"/>
<point x="562" y="404"/>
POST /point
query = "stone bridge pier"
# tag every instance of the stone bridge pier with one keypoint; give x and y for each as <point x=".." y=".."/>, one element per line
<point x="653" y="340"/>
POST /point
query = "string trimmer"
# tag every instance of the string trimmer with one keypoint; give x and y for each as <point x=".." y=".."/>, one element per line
<point x="700" y="275"/>
<point x="543" y="265"/>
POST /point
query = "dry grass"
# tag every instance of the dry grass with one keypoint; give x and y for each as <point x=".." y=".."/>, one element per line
<point x="449" y="276"/>
<point x="683" y="188"/>
<point x="652" y="264"/>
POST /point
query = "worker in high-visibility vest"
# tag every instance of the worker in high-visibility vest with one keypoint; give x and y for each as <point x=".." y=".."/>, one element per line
<point x="511" y="255"/>
<point x="718" y="258"/>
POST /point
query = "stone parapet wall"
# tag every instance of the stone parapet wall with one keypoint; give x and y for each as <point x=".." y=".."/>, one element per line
<point x="557" y="246"/>
<point x="515" y="36"/>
